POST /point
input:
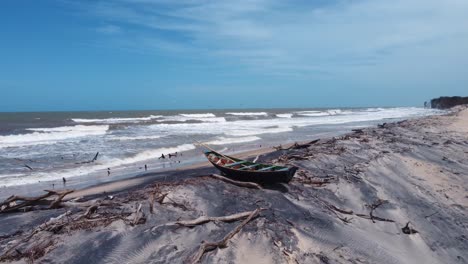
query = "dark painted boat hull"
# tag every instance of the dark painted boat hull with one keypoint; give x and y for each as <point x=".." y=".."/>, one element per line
<point x="262" y="177"/>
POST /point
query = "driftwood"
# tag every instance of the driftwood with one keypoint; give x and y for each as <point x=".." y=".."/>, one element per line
<point x="237" y="183"/>
<point x="151" y="202"/>
<point x="174" y="203"/>
<point x="298" y="157"/>
<point x="50" y="225"/>
<point x="14" y="203"/>
<point x="371" y="215"/>
<point x="139" y="216"/>
<point x="343" y="211"/>
<point x="408" y="230"/>
<point x="306" y="145"/>
<point x="297" y="145"/>
<point x="205" y="219"/>
<point x="91" y="210"/>
<point x="375" y="218"/>
<point x="375" y="206"/>
<point x="304" y="177"/>
<point x="209" y="246"/>
<point x="382" y="125"/>
<point x="90" y="161"/>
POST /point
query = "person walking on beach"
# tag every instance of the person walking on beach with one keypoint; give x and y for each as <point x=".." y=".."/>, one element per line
<point x="108" y="171"/>
<point x="146" y="167"/>
<point x="162" y="156"/>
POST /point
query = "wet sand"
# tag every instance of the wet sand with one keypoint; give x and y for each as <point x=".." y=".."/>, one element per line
<point x="347" y="203"/>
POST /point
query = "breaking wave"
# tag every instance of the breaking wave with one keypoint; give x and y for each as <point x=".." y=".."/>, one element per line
<point x="116" y="120"/>
<point x="225" y="141"/>
<point x="247" y="113"/>
<point x="284" y="115"/>
<point x="125" y="138"/>
<point x="103" y="164"/>
<point x="199" y="115"/>
<point x="51" y="135"/>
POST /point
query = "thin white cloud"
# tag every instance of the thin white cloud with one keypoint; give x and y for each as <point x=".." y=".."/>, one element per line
<point x="296" y="36"/>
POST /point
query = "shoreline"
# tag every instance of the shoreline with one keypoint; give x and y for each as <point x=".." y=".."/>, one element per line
<point x="394" y="193"/>
<point x="127" y="180"/>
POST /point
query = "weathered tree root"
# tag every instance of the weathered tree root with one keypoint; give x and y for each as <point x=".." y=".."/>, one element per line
<point x="14" y="203"/>
<point x="237" y="183"/>
<point x="206" y="219"/>
<point x="209" y="246"/>
<point x="374" y="206"/>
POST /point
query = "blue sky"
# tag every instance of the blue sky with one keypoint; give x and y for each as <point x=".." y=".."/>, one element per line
<point x="160" y="54"/>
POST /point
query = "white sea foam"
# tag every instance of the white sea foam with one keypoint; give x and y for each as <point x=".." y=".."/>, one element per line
<point x="125" y="138"/>
<point x="51" y="135"/>
<point x="247" y="113"/>
<point x="116" y="120"/>
<point x="199" y="115"/>
<point x="76" y="128"/>
<point x="181" y="118"/>
<point x="102" y="164"/>
<point x="284" y="115"/>
<point x="149" y="154"/>
<point x="280" y="125"/>
<point x="250" y="131"/>
<point x="312" y="113"/>
<point x="236" y="140"/>
<point x="329" y="112"/>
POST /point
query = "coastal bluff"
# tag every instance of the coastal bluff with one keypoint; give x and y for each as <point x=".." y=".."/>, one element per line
<point x="445" y="102"/>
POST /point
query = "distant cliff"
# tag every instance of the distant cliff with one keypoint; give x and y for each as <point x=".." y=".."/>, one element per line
<point x="445" y="102"/>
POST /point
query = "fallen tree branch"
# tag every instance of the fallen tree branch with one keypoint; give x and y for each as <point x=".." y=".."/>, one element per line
<point x="59" y="199"/>
<point x="161" y="198"/>
<point x="139" y="216"/>
<point x="237" y="183"/>
<point x="205" y="219"/>
<point x="90" y="161"/>
<point x="298" y="157"/>
<point x="91" y="210"/>
<point x="209" y="246"/>
<point x="14" y="203"/>
<point x="374" y="206"/>
<point x="342" y="210"/>
<point x="375" y="218"/>
<point x="301" y="146"/>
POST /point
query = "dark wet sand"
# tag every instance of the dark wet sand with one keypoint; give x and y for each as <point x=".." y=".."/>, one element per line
<point x="411" y="171"/>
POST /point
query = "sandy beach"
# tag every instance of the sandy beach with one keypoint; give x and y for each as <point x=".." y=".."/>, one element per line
<point x="392" y="193"/>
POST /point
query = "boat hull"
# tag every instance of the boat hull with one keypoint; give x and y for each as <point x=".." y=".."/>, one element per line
<point x="262" y="177"/>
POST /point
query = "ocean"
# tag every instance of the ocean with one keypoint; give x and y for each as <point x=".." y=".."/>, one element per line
<point x="49" y="146"/>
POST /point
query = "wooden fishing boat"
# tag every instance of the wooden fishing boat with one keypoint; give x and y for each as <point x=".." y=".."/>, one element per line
<point x="243" y="170"/>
